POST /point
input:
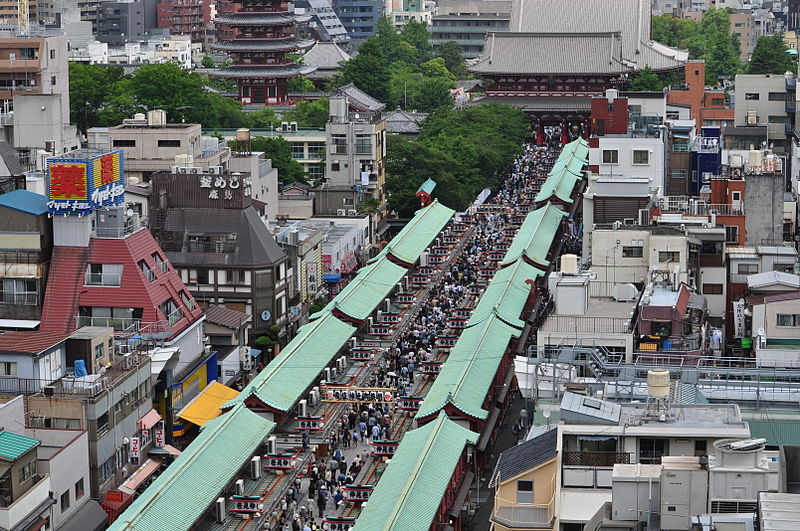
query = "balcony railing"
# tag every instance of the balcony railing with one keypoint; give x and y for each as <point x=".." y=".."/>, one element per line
<point x="358" y="117"/>
<point x="539" y="516"/>
<point x="567" y="324"/>
<point x="133" y="224"/>
<point x="175" y="316"/>
<point x="610" y="459"/>
<point x="103" y="279"/>
<point x="23" y="257"/>
<point x="692" y="207"/>
<point x="22" y="298"/>
<point x="158" y="330"/>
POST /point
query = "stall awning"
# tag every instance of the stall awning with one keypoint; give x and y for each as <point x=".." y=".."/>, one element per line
<point x="332" y="278"/>
<point x="254" y="352"/>
<point x="150" y="419"/>
<point x="161" y="451"/>
<point x="141" y="475"/>
<point x="206" y="405"/>
<point x="90" y="517"/>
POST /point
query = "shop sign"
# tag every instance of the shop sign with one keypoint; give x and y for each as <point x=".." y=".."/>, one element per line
<point x="134" y="454"/>
<point x="367" y="395"/>
<point x="409" y="403"/>
<point x="310" y="423"/>
<point x="160" y="435"/>
<point x="81" y="186"/>
<point x="358" y="493"/>
<point x="385" y="448"/>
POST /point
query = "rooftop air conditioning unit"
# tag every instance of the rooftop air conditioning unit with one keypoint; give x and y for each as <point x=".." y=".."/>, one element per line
<point x="293" y="127"/>
<point x="183" y="169"/>
<point x="352" y="212"/>
<point x="220" y="510"/>
<point x="302" y="408"/>
<point x="328" y="374"/>
<point x="341" y="212"/>
<point x="272" y="445"/>
<point x="313" y="396"/>
<point x="752" y="118"/>
<point x="239" y="486"/>
<point x="644" y="217"/>
<point x="193" y="170"/>
<point x="255" y="467"/>
<point x="285" y="127"/>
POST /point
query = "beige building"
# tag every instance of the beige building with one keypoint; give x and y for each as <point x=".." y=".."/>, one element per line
<point x="743" y="27"/>
<point x="524" y="480"/>
<point x="152" y="144"/>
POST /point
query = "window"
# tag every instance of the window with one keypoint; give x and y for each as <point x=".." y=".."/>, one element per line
<point x="171" y="311"/>
<point x="788" y="319"/>
<point x="80" y="490"/>
<point x="19" y="291"/>
<point x="632" y="252"/>
<point x="641" y="156"/>
<point x="669" y="256"/>
<point x="316" y="149"/>
<point x="712" y="289"/>
<point x="202" y="276"/>
<point x="160" y="262"/>
<point x="108" y="468"/>
<point x="334" y="166"/>
<point x="736" y="196"/>
<point x="298" y="150"/>
<point x="27" y="471"/>
<point x="122" y="142"/>
<point x="8" y="368"/>
<point x="731" y="234"/>
<point x="149" y="274"/>
<point x="783" y="268"/>
<point x="52" y="80"/>
<point x="187" y="300"/>
<point x="651" y="450"/>
<point x="700" y="447"/>
<point x="103" y="275"/>
<point x="65" y="501"/>
<point x="747" y="269"/>
<point x="777" y="96"/>
<point x="752" y="96"/>
<point x="610" y="156"/>
<point x="777" y="119"/>
<point x="235" y="276"/>
<point x="339" y="144"/>
<point x="99" y="351"/>
<point x="718" y="101"/>
<point x="52" y="54"/>
<point x="524" y="491"/>
<point x="169" y="143"/>
<point x="363" y="144"/>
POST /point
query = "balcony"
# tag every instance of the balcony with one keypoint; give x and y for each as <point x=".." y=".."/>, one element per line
<point x="103" y="279"/>
<point x="574" y="458"/>
<point x="692" y="207"/>
<point x="36" y="499"/>
<point x="586" y="324"/>
<point x="791" y="106"/>
<point x="536" y="516"/>
<point x="158" y="330"/>
<point x="175" y="316"/>
<point x="358" y="118"/>
<point x="132" y="224"/>
<point x="20" y="298"/>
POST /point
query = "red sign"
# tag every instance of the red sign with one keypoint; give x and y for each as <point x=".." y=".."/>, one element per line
<point x="68" y="181"/>
<point x="327" y="262"/>
<point x="160" y="435"/>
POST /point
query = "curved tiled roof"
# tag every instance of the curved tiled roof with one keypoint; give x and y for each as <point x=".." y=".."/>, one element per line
<point x="259" y="19"/>
<point x="267" y="45"/>
<point x="291" y="70"/>
<point x="535" y="236"/>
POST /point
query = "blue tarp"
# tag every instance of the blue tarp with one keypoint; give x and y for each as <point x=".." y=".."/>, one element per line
<point x="80" y="368"/>
<point x="332" y="278"/>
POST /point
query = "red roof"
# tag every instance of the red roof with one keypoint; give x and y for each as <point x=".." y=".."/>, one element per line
<point x="30" y="342"/>
<point x="66" y="290"/>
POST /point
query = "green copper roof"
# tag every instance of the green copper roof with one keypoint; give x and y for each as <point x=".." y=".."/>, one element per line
<point x="536" y="234"/>
<point x="13" y="446"/>
<point x="776" y="432"/>
<point x="560" y="185"/>
<point x="184" y="491"/>
<point x="299" y="363"/>
<point x="578" y="148"/>
<point x="411" y="488"/>
<point x="427" y="187"/>
<point x="366" y="291"/>
<point x="571" y="164"/>
<point x="470" y="369"/>
<point x="418" y="234"/>
<point x="507" y="294"/>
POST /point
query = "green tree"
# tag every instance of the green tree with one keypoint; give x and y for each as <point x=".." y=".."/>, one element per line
<point x="453" y="57"/>
<point x="416" y="34"/>
<point x="368" y="70"/>
<point x="674" y="32"/>
<point x="207" y="61"/>
<point x="720" y="49"/>
<point x="280" y="151"/>
<point x="301" y="84"/>
<point x="262" y="118"/>
<point x="647" y="80"/>
<point x="308" y="113"/>
<point x="369" y="205"/>
<point x="432" y="94"/>
<point x="90" y="91"/>
<point x="770" y="57"/>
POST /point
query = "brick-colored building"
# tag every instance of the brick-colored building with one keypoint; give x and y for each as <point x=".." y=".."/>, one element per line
<point x="707" y="105"/>
<point x="182" y="17"/>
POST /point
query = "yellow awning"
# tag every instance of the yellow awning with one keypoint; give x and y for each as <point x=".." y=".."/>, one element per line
<point x="205" y="406"/>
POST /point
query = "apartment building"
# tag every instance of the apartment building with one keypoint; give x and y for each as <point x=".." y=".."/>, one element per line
<point x="27" y="243"/>
<point x="151" y="144"/>
<point x="359" y="17"/>
<point x="467" y="22"/>
<point x="182" y="17"/>
<point x="354" y="165"/>
<point x="120" y="22"/>
<point x="761" y="100"/>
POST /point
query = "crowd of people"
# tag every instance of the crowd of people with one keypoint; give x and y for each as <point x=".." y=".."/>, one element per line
<point x="399" y="366"/>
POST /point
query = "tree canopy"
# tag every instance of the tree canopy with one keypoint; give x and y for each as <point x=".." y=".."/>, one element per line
<point x="280" y="151"/>
<point x="398" y="68"/>
<point x="462" y="149"/>
<point x="770" y="57"/>
<point x="453" y="57"/>
<point x="647" y="80"/>
<point x="709" y="40"/>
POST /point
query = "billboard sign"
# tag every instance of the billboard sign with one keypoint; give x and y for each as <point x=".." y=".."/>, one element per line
<point x="79" y="186"/>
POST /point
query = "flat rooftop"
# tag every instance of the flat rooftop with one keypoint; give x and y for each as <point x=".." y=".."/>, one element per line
<point x="603" y="315"/>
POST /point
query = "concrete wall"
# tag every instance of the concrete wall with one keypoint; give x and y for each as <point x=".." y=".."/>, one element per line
<point x="64" y="454"/>
<point x="766" y="316"/>
<point x="625" y="168"/>
<point x="12" y="415"/>
<point x="763" y="199"/>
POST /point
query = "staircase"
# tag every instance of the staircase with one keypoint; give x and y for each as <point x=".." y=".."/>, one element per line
<point x="64" y="283"/>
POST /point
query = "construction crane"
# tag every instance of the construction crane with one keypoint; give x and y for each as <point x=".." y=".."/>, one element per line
<point x="22" y="16"/>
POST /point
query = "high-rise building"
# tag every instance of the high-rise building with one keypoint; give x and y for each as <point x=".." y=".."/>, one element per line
<point x="182" y="17"/>
<point x="259" y="35"/>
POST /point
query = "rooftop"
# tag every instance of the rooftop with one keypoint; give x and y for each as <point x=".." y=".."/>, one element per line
<point x="30" y="342"/>
<point x="25" y="201"/>
<point x="14" y="446"/>
<point x="525" y="456"/>
<point x="220" y="315"/>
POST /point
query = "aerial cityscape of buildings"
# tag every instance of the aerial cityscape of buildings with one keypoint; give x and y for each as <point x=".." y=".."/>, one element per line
<point x="279" y="317"/>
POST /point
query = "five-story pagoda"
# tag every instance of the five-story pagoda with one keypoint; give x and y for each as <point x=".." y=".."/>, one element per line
<point x="258" y="35"/>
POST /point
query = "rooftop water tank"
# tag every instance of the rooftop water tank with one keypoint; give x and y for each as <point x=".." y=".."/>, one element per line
<point x="658" y="383"/>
